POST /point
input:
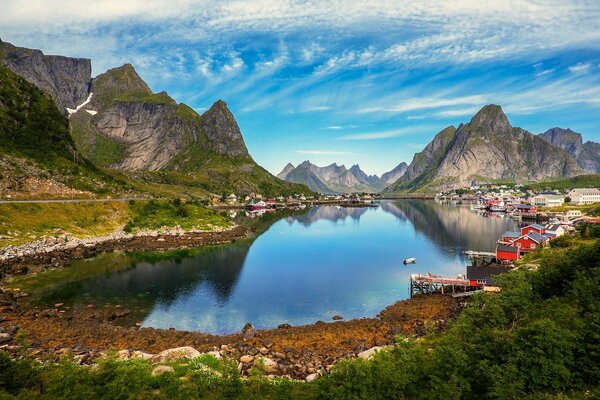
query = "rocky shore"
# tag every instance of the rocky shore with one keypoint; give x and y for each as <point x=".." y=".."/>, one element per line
<point x="58" y="251"/>
<point x="88" y="332"/>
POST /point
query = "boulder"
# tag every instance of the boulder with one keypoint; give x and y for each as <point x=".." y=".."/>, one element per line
<point x="215" y="354"/>
<point x="368" y="354"/>
<point x="311" y="377"/>
<point x="337" y="317"/>
<point x="142" y="355"/>
<point x="269" y="365"/>
<point x="246" y="359"/>
<point x="161" y="369"/>
<point x="5" y="337"/>
<point x="123" y="354"/>
<point x="175" y="354"/>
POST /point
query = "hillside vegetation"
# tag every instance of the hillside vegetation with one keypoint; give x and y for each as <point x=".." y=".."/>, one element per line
<point x="25" y="222"/>
<point x="35" y="144"/>
<point x="580" y="181"/>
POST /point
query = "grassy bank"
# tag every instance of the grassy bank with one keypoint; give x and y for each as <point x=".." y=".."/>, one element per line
<point x="588" y="209"/>
<point x="536" y="339"/>
<point x="25" y="222"/>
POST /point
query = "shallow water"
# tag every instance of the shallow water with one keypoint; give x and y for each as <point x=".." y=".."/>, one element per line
<point x="328" y="261"/>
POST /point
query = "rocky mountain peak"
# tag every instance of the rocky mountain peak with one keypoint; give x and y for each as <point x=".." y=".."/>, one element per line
<point x="566" y="138"/>
<point x="123" y="80"/>
<point x="285" y="171"/>
<point x="587" y="154"/>
<point x="222" y="130"/>
<point x="491" y="119"/>
<point x="65" y="79"/>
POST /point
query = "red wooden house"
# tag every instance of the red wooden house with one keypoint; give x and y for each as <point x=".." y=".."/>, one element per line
<point x="530" y="242"/>
<point x="509" y="237"/>
<point x="533" y="228"/>
<point x="506" y="252"/>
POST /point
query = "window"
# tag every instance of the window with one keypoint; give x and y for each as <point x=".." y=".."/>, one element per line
<point x="532" y="246"/>
<point x="518" y="244"/>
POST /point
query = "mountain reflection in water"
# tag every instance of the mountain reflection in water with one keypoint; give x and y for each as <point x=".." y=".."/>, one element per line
<point x="303" y="268"/>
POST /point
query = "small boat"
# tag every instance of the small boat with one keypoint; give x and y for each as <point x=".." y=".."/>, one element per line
<point x="411" y="260"/>
<point x="261" y="205"/>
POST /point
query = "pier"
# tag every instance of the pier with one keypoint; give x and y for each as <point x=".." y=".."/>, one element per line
<point x="430" y="283"/>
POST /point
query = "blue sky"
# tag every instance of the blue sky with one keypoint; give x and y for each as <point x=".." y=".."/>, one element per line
<point x="368" y="82"/>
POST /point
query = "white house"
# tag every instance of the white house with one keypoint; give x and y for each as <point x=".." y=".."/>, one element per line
<point x="584" y="196"/>
<point x="555" y="229"/>
<point x="574" y="213"/>
<point x="548" y="200"/>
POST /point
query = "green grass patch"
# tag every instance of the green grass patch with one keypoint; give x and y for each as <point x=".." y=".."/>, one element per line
<point x="155" y="214"/>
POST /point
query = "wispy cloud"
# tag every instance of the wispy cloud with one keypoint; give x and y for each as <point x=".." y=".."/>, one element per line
<point x="379" y="134"/>
<point x="327" y="152"/>
<point x="580" y="67"/>
<point x="424" y="103"/>
<point x="544" y="72"/>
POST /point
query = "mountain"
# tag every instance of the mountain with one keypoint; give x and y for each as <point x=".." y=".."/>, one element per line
<point x="37" y="154"/>
<point x="487" y="149"/>
<point x="65" y="79"/>
<point x="305" y="174"/>
<point x="335" y="178"/>
<point x="392" y="176"/>
<point x="587" y="154"/>
<point x="120" y="125"/>
<point x="285" y="171"/>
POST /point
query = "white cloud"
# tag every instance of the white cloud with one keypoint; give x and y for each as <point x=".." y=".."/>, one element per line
<point x="580" y="68"/>
<point x="327" y="152"/>
<point x="381" y="134"/>
<point x="423" y="103"/>
<point x="544" y="72"/>
<point x="317" y="108"/>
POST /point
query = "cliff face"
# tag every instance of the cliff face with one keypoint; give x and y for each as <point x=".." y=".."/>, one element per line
<point x="395" y="174"/>
<point x="117" y="122"/>
<point x="486" y="149"/>
<point x="65" y="79"/>
<point x="587" y="154"/>
<point x="151" y="130"/>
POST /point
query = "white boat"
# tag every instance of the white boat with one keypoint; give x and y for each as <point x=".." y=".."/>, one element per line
<point x="411" y="260"/>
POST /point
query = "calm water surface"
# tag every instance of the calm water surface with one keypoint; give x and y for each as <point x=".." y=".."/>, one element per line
<point x="328" y="261"/>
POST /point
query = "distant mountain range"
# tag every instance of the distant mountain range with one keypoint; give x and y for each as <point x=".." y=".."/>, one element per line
<point x="487" y="149"/>
<point x="118" y="124"/>
<point x="338" y="179"/>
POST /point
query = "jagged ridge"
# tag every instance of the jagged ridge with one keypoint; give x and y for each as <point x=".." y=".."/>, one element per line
<point x="486" y="149"/>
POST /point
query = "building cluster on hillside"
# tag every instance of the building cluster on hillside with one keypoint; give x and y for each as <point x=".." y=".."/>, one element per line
<point x="529" y="238"/>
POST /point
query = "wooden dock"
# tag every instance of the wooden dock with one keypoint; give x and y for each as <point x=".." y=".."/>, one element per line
<point x="430" y="283"/>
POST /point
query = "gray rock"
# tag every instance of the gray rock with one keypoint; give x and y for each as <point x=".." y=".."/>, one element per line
<point x="65" y="79"/>
<point x="175" y="354"/>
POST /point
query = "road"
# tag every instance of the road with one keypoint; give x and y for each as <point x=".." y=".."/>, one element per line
<point x="62" y="201"/>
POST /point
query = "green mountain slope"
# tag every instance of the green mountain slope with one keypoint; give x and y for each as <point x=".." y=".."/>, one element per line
<point x="36" y="148"/>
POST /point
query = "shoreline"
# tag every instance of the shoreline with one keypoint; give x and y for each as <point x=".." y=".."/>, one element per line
<point x="89" y="332"/>
<point x="55" y="252"/>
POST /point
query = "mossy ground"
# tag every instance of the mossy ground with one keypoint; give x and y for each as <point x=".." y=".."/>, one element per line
<point x="26" y="222"/>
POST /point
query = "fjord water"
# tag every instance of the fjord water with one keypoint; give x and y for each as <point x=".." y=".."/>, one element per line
<point x="304" y="268"/>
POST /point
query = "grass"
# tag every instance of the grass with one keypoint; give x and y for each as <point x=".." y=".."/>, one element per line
<point x="589" y="209"/>
<point x="25" y="222"/>
<point x="580" y="181"/>
<point x="188" y="215"/>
